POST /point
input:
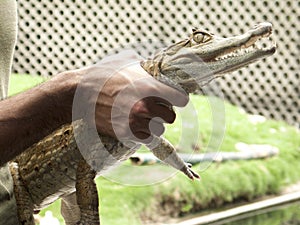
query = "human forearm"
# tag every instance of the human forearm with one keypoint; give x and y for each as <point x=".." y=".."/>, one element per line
<point x="28" y="117"/>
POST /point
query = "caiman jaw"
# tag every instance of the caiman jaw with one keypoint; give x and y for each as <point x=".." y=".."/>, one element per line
<point x="229" y="54"/>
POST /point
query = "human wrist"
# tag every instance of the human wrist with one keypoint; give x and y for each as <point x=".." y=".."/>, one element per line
<point x="59" y="92"/>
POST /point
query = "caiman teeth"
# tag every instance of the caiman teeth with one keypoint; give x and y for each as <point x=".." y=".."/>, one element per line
<point x="262" y="44"/>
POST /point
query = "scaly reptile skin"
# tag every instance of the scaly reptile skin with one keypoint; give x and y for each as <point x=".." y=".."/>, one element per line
<point x="54" y="167"/>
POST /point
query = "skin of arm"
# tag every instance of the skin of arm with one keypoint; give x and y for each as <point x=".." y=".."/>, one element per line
<point x="116" y="84"/>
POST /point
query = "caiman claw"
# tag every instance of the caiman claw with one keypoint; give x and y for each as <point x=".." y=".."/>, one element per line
<point x="189" y="172"/>
<point x="166" y="152"/>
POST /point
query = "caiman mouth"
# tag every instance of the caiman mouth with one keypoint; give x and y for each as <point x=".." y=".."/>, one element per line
<point x="229" y="54"/>
<point x="262" y="46"/>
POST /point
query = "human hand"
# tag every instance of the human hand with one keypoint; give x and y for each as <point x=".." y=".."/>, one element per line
<point x="123" y="101"/>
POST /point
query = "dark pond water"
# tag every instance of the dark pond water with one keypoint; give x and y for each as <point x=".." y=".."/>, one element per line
<point x="288" y="214"/>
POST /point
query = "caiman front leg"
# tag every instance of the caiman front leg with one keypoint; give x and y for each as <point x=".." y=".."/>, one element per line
<point x="70" y="209"/>
<point x="166" y="152"/>
<point x="87" y="195"/>
<point x="23" y="199"/>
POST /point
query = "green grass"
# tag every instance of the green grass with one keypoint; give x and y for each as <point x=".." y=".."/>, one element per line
<point x="22" y="82"/>
<point x="220" y="184"/>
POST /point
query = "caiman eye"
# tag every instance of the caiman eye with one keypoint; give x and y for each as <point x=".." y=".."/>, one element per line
<point x="201" y="37"/>
<point x="198" y="37"/>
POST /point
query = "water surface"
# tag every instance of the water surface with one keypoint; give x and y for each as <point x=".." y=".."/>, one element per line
<point x="288" y="214"/>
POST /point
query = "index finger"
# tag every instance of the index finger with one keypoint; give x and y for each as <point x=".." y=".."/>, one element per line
<point x="173" y="94"/>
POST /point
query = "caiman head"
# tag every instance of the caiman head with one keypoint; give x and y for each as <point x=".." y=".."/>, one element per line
<point x="195" y="61"/>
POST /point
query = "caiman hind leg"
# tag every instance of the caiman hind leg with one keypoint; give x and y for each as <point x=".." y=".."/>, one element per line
<point x="87" y="195"/>
<point x="23" y="199"/>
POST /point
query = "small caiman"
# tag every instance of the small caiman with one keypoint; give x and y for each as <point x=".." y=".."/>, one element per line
<point x="55" y="168"/>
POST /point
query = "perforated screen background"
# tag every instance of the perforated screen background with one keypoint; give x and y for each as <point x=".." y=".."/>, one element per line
<point x="57" y="35"/>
